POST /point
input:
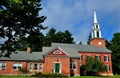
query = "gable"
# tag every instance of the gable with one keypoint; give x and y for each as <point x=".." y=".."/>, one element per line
<point x="58" y="53"/>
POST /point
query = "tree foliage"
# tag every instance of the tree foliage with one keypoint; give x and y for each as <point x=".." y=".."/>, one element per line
<point x="93" y="65"/>
<point x="58" y="37"/>
<point x="114" y="46"/>
<point x="19" y="17"/>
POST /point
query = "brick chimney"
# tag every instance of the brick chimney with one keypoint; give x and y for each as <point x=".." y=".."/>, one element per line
<point x="28" y="50"/>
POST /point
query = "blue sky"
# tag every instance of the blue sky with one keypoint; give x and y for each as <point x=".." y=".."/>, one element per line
<point x="77" y="17"/>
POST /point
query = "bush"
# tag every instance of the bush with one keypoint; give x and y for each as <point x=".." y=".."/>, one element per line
<point x="24" y="71"/>
<point x="38" y="74"/>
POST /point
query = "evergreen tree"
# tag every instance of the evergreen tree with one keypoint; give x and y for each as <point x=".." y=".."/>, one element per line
<point x="19" y="17"/>
<point x="114" y="46"/>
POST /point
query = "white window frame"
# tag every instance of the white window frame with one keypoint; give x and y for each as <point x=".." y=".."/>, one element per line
<point x="107" y="68"/>
<point x="40" y="66"/>
<point x="17" y="65"/>
<point x="37" y="66"/>
<point x="98" y="57"/>
<point x="31" y="66"/>
<point x="106" y="59"/>
<point x="81" y="57"/>
<point x="72" y="65"/>
<point x="2" y="65"/>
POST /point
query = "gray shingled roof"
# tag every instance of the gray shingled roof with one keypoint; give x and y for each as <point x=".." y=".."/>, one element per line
<point x="81" y="48"/>
<point x="23" y="55"/>
<point x="72" y="50"/>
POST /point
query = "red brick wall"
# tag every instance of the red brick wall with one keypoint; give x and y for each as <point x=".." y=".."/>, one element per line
<point x="95" y="42"/>
<point x="49" y="64"/>
<point x="93" y="54"/>
<point x="9" y="65"/>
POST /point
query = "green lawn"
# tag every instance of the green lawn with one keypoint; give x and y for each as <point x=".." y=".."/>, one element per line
<point x="8" y="76"/>
<point x="115" y="76"/>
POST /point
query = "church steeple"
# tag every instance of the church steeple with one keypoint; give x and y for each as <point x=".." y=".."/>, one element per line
<point x="96" y="32"/>
<point x="96" y="39"/>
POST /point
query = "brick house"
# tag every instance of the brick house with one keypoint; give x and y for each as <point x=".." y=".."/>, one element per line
<point x="59" y="58"/>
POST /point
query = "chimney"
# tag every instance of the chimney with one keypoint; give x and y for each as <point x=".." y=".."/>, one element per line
<point x="28" y="50"/>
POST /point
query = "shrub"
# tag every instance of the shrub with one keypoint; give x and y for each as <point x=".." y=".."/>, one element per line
<point x="38" y="74"/>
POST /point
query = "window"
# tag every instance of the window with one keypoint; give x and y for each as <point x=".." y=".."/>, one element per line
<point x="30" y="66"/>
<point x="17" y="66"/>
<point x="40" y="67"/>
<point x="106" y="59"/>
<point x="107" y="68"/>
<point x="57" y="52"/>
<point x="98" y="34"/>
<point x="81" y="57"/>
<point x="88" y="56"/>
<point x="73" y="65"/>
<point x="2" y="66"/>
<point x="35" y="66"/>
<point x="97" y="57"/>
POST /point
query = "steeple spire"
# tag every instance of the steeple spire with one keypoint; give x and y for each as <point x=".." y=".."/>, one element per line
<point x="96" y="40"/>
<point x="95" y="17"/>
<point x="96" y="32"/>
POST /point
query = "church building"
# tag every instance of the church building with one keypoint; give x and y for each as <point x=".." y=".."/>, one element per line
<point x="62" y="58"/>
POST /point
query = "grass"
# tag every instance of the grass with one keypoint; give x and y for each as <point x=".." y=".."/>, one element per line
<point x="9" y="76"/>
<point x="13" y="76"/>
<point x="115" y="76"/>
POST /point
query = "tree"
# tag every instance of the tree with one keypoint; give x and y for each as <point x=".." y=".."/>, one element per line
<point x="19" y="17"/>
<point x="50" y="37"/>
<point x="89" y="38"/>
<point x="114" y="46"/>
<point x="93" y="65"/>
<point x="35" y="40"/>
<point x="58" y="37"/>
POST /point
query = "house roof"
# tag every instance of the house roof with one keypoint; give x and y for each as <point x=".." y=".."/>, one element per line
<point x="72" y="50"/>
<point x="23" y="55"/>
<point x="82" y="48"/>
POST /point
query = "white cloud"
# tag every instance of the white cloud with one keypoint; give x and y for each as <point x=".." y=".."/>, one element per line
<point x="77" y="16"/>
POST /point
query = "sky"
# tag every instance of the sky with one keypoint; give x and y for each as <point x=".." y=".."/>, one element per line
<point x="76" y="16"/>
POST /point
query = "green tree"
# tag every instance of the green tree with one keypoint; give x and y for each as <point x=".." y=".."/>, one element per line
<point x="89" y="38"/>
<point x="35" y="39"/>
<point x="114" y="46"/>
<point x="18" y="17"/>
<point x="50" y="37"/>
<point x="93" y="65"/>
<point x="58" y="37"/>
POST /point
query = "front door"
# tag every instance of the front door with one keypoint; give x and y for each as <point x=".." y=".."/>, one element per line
<point x="56" y="67"/>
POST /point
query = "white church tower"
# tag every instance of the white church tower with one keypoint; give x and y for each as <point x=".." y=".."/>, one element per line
<point x="96" y="39"/>
<point x="96" y="32"/>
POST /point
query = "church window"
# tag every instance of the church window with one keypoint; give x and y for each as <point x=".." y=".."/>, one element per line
<point x="81" y="57"/>
<point x="96" y="26"/>
<point x="40" y="67"/>
<point x="35" y="66"/>
<point x="17" y="66"/>
<point x="30" y="66"/>
<point x="106" y="59"/>
<point x="2" y="66"/>
<point x="97" y="57"/>
<point x="98" y="34"/>
<point x="57" y="52"/>
<point x="107" y="68"/>
<point x="73" y="65"/>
